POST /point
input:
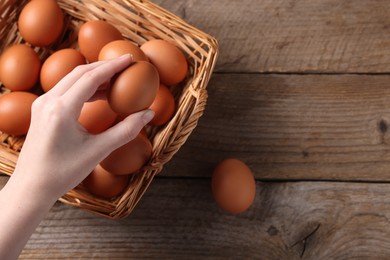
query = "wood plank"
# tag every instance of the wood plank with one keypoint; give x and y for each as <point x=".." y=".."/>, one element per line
<point x="293" y="35"/>
<point x="293" y="127"/>
<point x="178" y="219"/>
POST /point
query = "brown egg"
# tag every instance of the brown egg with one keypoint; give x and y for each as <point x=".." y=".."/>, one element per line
<point x="97" y="116"/>
<point x="58" y="65"/>
<point x="129" y="158"/>
<point x="233" y="186"/>
<point x="41" y="22"/>
<point x="15" y="112"/>
<point x="143" y="132"/>
<point x="103" y="184"/>
<point x="169" y="60"/>
<point x="134" y="89"/>
<point x="118" y="48"/>
<point x="163" y="106"/>
<point x="94" y="35"/>
<point x="19" y="67"/>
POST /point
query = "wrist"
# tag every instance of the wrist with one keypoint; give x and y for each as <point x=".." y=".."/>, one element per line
<point x="23" y="190"/>
<point x="22" y="208"/>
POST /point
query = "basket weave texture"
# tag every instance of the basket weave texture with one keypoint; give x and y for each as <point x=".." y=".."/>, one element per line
<point x="138" y="21"/>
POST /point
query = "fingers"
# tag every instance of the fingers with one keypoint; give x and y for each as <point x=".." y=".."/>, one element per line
<point x="66" y="83"/>
<point x="85" y="87"/>
<point x="125" y="131"/>
<point x="99" y="95"/>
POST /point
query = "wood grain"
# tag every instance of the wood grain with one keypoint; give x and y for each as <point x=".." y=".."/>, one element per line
<point x="3" y="180"/>
<point x="178" y="219"/>
<point x="293" y="35"/>
<point x="286" y="127"/>
<point x="293" y="127"/>
<point x="329" y="127"/>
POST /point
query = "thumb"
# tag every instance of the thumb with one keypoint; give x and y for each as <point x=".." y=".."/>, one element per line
<point x="126" y="130"/>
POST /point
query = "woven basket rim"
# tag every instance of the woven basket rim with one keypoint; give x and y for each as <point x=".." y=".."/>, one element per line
<point x="138" y="21"/>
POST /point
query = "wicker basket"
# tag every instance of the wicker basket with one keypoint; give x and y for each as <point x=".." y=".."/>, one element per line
<point x="139" y="21"/>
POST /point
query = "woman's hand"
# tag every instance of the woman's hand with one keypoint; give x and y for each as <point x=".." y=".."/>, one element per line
<point x="58" y="152"/>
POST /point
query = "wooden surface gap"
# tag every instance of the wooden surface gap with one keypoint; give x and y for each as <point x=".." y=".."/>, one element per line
<point x="270" y="180"/>
<point x="291" y="73"/>
<point x="277" y="180"/>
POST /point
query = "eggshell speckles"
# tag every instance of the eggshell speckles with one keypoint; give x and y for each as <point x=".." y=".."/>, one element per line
<point x="233" y="186"/>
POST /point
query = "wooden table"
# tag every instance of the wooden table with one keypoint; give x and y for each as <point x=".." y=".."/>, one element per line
<point x="301" y="92"/>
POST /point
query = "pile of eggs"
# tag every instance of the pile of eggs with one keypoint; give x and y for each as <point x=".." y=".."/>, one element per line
<point x="157" y="67"/>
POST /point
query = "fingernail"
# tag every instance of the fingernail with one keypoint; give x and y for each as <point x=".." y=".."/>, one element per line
<point x="147" y="116"/>
<point x="126" y="56"/>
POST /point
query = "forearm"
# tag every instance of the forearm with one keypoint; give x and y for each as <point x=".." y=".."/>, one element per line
<point x="47" y="166"/>
<point x="21" y="210"/>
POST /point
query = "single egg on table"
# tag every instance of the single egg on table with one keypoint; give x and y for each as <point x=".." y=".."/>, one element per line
<point x="233" y="186"/>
